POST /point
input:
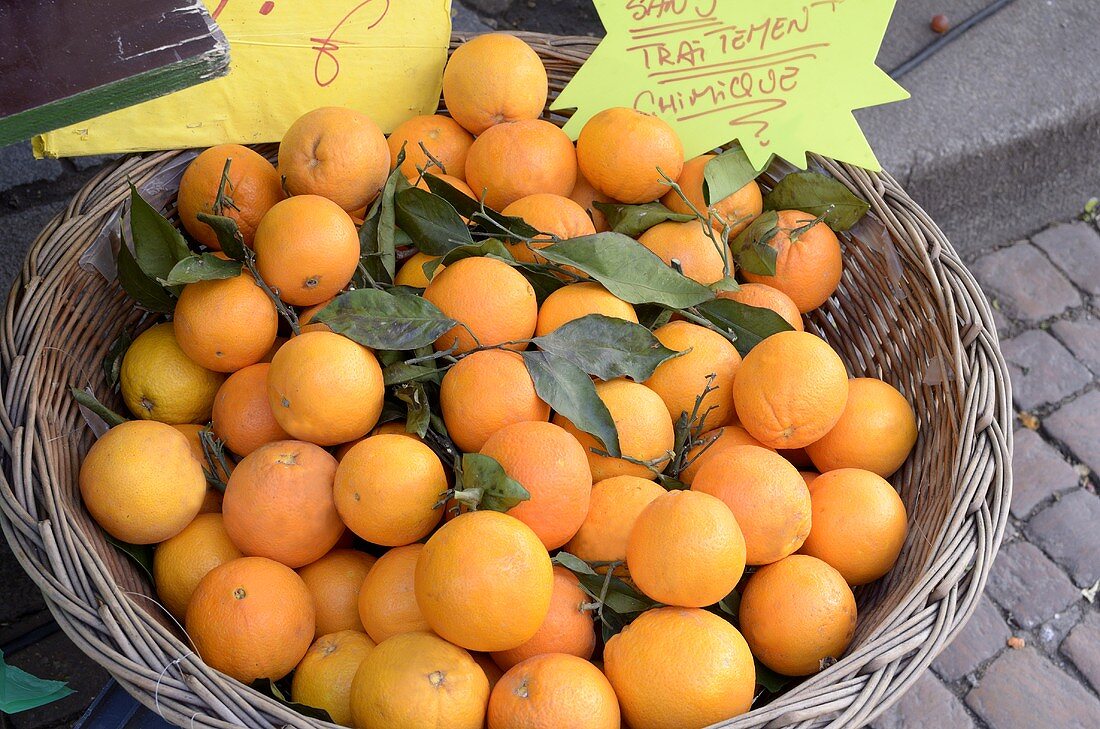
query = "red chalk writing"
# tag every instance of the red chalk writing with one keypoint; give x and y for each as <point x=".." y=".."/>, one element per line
<point x="326" y="67"/>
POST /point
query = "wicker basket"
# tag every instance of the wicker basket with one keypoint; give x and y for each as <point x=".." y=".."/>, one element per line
<point x="906" y="311"/>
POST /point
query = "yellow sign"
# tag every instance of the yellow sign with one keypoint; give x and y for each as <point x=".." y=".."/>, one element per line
<point x="781" y="77"/>
<point x="383" y="57"/>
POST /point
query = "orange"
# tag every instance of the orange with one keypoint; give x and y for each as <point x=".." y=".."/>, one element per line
<point x="553" y="215"/>
<point x="191" y="432"/>
<point x="790" y="390"/>
<point x="278" y="503"/>
<point x="412" y="273"/>
<point x="242" y="414"/>
<point x="227" y="324"/>
<point x="765" y="493"/>
<point x="325" y="388"/>
<point x="279" y="341"/>
<point x="621" y="150"/>
<point x="337" y="153"/>
<point x="807" y="269"/>
<point x="456" y="182"/>
<point x="612" y="512"/>
<point x="551" y="465"/>
<point x="734" y="211"/>
<point x="323" y="678"/>
<point x="713" y="443"/>
<point x="579" y="300"/>
<point x="182" y="561"/>
<point x="387" y="488"/>
<point x="483" y="581"/>
<point x="334" y="582"/>
<point x="767" y="297"/>
<point x="514" y="160"/>
<point x="442" y="136"/>
<point x="387" y="600"/>
<point x="681" y="380"/>
<point x="554" y="691"/>
<point x="141" y="483"/>
<point x="307" y="249"/>
<point x="251" y="618"/>
<point x="686" y="549"/>
<point x="305" y="318"/>
<point x="417" y="680"/>
<point x="859" y="524"/>
<point x="796" y="613"/>
<point x="691" y="247"/>
<point x="490" y="297"/>
<point x="483" y="393"/>
<point x="585" y="195"/>
<point x="492" y="79"/>
<point x="680" y="667"/>
<point x="253" y="187"/>
<point x="492" y="670"/>
<point x="567" y="627"/>
<point x="160" y="382"/>
<point x="645" y="431"/>
<point x="876" y="431"/>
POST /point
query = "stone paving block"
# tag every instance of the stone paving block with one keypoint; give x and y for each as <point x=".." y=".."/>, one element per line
<point x="94" y="160"/>
<point x="980" y="640"/>
<point x="928" y="704"/>
<point x="17" y="232"/>
<point x="1028" y="585"/>
<point x="488" y="7"/>
<point x="1083" y="648"/>
<point x="57" y="658"/>
<point x="1042" y="370"/>
<point x="19" y="167"/>
<point x="1038" y="472"/>
<point x="1074" y="248"/>
<point x="1069" y="531"/>
<point x="1026" y="284"/>
<point x="1024" y="690"/>
<point x="1082" y="337"/>
<point x="1076" y="424"/>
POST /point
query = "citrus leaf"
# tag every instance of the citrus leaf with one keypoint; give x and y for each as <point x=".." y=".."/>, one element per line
<point x="628" y="269"/>
<point x="158" y="246"/>
<point x="499" y="492"/>
<point x="668" y="483"/>
<point x="726" y="174"/>
<point x="415" y="396"/>
<point x="750" y="247"/>
<point x="729" y="283"/>
<point x="817" y="194"/>
<point x="382" y="320"/>
<point x="620" y="597"/>
<point x="489" y="248"/>
<point x="472" y="209"/>
<point x="573" y="563"/>
<point x="731" y="604"/>
<point x="399" y="373"/>
<point x="542" y="281"/>
<point x="140" y="554"/>
<point x="88" y="400"/>
<point x="20" y="691"/>
<point x="145" y="291"/>
<point x="769" y="679"/>
<point x="633" y="220"/>
<point x="430" y="221"/>
<point x="229" y="235"/>
<point x="268" y="688"/>
<point x="607" y="347"/>
<point x="205" y="267"/>
<point x="112" y="363"/>
<point x="749" y="324"/>
<point x="569" y="391"/>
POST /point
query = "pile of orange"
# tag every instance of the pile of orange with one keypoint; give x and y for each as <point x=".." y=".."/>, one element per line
<point x="347" y="551"/>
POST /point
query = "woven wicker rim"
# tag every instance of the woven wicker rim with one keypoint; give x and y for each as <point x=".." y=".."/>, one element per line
<point x="907" y="311"/>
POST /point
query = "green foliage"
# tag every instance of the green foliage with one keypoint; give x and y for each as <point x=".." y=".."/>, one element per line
<point x="633" y="220"/>
<point x="820" y="196"/>
<point x="570" y="392"/>
<point x="382" y="320"/>
<point x="202" y="267"/>
<point x="750" y="248"/>
<point x="748" y="325"/>
<point x="486" y="486"/>
<point x="726" y="174"/>
<point x="607" y="347"/>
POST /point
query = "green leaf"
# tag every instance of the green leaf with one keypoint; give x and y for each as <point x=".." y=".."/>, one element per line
<point x="817" y="194"/>
<point x="205" y="267"/>
<point x="229" y="235"/>
<point x="620" y="597"/>
<point x="382" y="320"/>
<point x="729" y="283"/>
<point x="387" y="221"/>
<point x="573" y="563"/>
<point x="652" y="316"/>
<point x="140" y="554"/>
<point x="570" y="391"/>
<point x="633" y="220"/>
<point x="136" y="283"/>
<point x="749" y="324"/>
<point x="750" y="248"/>
<point x="726" y="174"/>
<point x="431" y="222"/>
<point x="415" y="396"/>
<point x="112" y="363"/>
<point x="769" y="679"/>
<point x="87" y="399"/>
<point x="488" y="248"/>
<point x="542" y="281"/>
<point x="498" y="491"/>
<point x="20" y="691"/>
<point x="472" y="209"/>
<point x="158" y="246"/>
<point x="607" y="347"/>
<point x="399" y="373"/>
<point x="731" y="604"/>
<point x="668" y="483"/>
<point x="268" y="688"/>
<point x="628" y="269"/>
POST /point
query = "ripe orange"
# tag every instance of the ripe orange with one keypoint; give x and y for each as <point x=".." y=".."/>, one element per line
<point x="584" y="195"/>
<point x="253" y="187"/>
<point x="613" y="510"/>
<point x="307" y="249"/>
<point x="337" y="153"/>
<point x="807" y="269"/>
<point x="713" y="443"/>
<point x="305" y="318"/>
<point x="334" y="582"/>
<point x="796" y="613"/>
<point x="279" y="341"/>
<point x="765" y="493"/>
<point x="387" y="488"/>
<point x="444" y="138"/>
<point x="182" y="561"/>
<point x="553" y="215"/>
<point x="859" y="524"/>
<point x="396" y="427"/>
<point x="681" y="380"/>
<point x="251" y="618"/>
<point x="227" y="324"/>
<point x="141" y="483"/>
<point x="490" y="297"/>
<point x="514" y="160"/>
<point x="160" y="382"/>
<point x="645" y="431"/>
<point x="483" y="393"/>
<point x="876" y="431"/>
<point x="492" y="670"/>
<point x="242" y="414"/>
<point x="553" y="691"/>
<point x="686" y="549"/>
<point x="387" y="600"/>
<point x="734" y="211"/>
<point x="493" y="79"/>
<point x="417" y="680"/>
<point x="680" y="667"/>
<point x="325" y="388"/>
<point x="323" y="678"/>
<point x="412" y="273"/>
<point x="767" y="297"/>
<point x="483" y="581"/>
<point x="579" y="300"/>
<point x="620" y="151"/>
<point x="790" y="390"/>
<point x="278" y="503"/>
<point x="567" y="628"/>
<point x="689" y="245"/>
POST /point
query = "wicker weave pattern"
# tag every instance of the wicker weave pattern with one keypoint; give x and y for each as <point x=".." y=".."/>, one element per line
<point x="907" y="311"/>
